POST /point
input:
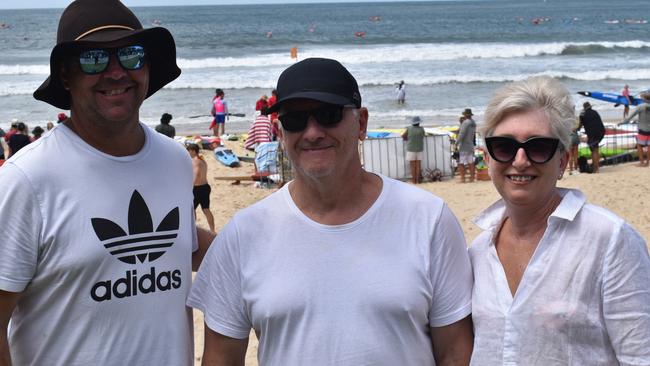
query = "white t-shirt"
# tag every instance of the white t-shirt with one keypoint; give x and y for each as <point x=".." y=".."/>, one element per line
<point x="100" y="248"/>
<point x="584" y="298"/>
<point x="362" y="293"/>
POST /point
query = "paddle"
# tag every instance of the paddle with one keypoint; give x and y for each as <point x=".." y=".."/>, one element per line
<point x="259" y="176"/>
<point x="228" y="114"/>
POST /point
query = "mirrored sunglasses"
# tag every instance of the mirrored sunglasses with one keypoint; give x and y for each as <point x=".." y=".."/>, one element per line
<point x="95" y="61"/>
<point x="539" y="150"/>
<point x="327" y="116"/>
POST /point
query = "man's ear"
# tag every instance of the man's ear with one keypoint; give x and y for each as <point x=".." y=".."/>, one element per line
<point x="63" y="74"/>
<point x="363" y="123"/>
<point x="280" y="135"/>
<point x="280" y="131"/>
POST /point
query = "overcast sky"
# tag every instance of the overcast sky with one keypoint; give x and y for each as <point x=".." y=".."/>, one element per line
<point x="30" y="4"/>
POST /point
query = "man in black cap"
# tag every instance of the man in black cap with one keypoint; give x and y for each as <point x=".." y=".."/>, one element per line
<point x="340" y="266"/>
<point x="595" y="130"/>
<point x="98" y="235"/>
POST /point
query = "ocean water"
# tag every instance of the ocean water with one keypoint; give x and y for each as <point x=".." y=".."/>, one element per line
<point x="451" y="54"/>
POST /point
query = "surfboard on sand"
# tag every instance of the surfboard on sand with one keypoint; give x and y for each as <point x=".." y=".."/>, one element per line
<point x="226" y="157"/>
<point x="611" y="97"/>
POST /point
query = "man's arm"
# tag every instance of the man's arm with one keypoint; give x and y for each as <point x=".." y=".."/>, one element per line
<point x="629" y="118"/>
<point x="196" y="171"/>
<point x="220" y="350"/>
<point x="462" y="131"/>
<point x="453" y="343"/>
<point x="205" y="238"/>
<point x="8" y="301"/>
<point x="580" y="123"/>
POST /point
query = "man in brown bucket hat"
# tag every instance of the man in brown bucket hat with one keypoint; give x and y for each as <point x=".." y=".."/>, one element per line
<point x="98" y="239"/>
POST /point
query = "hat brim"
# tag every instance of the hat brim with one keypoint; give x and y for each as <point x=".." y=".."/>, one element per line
<point x="313" y="95"/>
<point x="160" y="50"/>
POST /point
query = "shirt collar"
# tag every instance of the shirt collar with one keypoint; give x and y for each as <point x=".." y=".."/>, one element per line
<point x="572" y="202"/>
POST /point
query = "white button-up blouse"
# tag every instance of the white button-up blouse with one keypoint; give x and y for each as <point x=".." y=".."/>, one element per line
<point x="584" y="298"/>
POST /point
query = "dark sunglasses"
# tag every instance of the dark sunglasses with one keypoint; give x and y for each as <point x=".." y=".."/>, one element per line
<point x="327" y="116"/>
<point x="539" y="150"/>
<point x="95" y="61"/>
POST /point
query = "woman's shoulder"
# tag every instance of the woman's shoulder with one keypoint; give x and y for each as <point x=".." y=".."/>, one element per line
<point x="481" y="243"/>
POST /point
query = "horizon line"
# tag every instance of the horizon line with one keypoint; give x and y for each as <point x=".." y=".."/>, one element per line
<point x="257" y="2"/>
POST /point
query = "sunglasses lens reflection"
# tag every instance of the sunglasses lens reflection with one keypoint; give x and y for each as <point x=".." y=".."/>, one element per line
<point x="131" y="57"/>
<point x="96" y="61"/>
<point x="93" y="61"/>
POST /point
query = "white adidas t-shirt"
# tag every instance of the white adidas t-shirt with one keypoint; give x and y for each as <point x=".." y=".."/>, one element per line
<point x="362" y="293"/>
<point x="100" y="248"/>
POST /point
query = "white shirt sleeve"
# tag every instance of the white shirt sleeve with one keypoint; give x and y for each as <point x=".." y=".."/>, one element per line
<point x="626" y="297"/>
<point x="451" y="272"/>
<point x="20" y="226"/>
<point x="217" y="291"/>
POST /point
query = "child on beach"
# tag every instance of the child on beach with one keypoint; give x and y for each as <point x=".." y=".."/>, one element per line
<point x="220" y="113"/>
<point x="201" y="189"/>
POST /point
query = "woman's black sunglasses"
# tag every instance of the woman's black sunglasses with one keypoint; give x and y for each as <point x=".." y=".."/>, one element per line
<point x="539" y="150"/>
<point x="95" y="61"/>
<point x="328" y="115"/>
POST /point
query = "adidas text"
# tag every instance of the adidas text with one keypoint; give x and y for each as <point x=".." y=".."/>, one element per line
<point x="132" y="285"/>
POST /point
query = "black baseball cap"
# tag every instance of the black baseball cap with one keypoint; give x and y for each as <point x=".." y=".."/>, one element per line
<point x="320" y="79"/>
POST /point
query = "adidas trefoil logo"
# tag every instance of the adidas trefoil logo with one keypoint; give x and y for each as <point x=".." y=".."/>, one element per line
<point x="141" y="243"/>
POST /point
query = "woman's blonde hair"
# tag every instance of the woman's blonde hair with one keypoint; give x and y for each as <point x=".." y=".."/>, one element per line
<point x="535" y="93"/>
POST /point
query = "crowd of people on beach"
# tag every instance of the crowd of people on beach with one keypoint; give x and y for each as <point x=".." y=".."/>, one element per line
<point x="19" y="136"/>
<point x="340" y="266"/>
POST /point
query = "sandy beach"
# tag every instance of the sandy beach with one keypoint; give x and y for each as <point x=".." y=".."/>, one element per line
<point x="618" y="188"/>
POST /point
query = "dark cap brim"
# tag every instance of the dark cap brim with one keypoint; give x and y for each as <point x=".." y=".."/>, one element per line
<point x="313" y="95"/>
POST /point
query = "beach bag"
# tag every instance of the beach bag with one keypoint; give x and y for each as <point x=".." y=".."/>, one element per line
<point x="433" y="175"/>
<point x="583" y="165"/>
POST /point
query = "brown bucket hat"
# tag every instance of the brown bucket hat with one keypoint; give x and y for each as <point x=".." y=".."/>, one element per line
<point x="97" y="23"/>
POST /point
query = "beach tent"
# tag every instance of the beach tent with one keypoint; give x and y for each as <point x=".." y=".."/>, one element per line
<point x="387" y="156"/>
